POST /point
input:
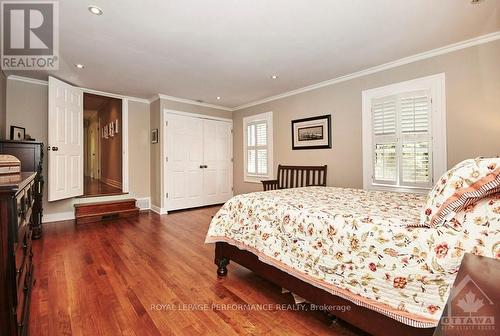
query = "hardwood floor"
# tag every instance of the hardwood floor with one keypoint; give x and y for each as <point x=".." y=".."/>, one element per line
<point x="94" y="187"/>
<point x="112" y="278"/>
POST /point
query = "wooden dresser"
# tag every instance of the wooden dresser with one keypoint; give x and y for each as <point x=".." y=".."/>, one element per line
<point x="30" y="153"/>
<point x="17" y="198"/>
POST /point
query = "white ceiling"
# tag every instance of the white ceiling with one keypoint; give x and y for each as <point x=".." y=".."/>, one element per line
<point x="200" y="49"/>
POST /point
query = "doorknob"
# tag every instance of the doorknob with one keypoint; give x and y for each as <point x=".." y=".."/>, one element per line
<point x="203" y="166"/>
<point x="55" y="149"/>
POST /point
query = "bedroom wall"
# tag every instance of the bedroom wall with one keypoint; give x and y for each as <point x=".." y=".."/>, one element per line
<point x="473" y="115"/>
<point x="155" y="109"/>
<point x="27" y="107"/>
<point x="3" y="88"/>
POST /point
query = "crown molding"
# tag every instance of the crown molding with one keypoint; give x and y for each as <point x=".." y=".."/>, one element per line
<point x="189" y="101"/>
<point x="386" y="66"/>
<point x="28" y="80"/>
<point x="114" y="95"/>
<point x="97" y="92"/>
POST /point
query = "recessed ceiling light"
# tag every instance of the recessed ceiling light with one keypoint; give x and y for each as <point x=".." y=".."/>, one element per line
<point x="218" y="98"/>
<point x="95" y="10"/>
<point x="274" y="76"/>
<point x="80" y="66"/>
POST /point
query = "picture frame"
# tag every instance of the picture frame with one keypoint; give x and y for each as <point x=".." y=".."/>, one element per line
<point x="105" y="128"/>
<point x="116" y="126"/>
<point x="17" y="133"/>
<point x="111" y="129"/>
<point x="154" y="135"/>
<point x="312" y="133"/>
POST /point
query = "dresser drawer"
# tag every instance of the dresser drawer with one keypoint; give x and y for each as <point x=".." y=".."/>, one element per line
<point x="22" y="308"/>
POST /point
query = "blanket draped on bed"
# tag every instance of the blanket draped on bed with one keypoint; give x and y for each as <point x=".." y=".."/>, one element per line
<point x="356" y="244"/>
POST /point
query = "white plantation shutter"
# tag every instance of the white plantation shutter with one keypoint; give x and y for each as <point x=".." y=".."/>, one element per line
<point x="257" y="148"/>
<point x="385" y="140"/>
<point x="402" y="140"/>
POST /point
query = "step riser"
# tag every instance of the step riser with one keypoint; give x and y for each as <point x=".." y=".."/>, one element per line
<point x="110" y="216"/>
<point x="85" y="210"/>
<point x="99" y="211"/>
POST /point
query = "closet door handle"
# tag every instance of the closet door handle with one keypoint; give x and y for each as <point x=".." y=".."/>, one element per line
<point x="55" y="149"/>
<point x="203" y="166"/>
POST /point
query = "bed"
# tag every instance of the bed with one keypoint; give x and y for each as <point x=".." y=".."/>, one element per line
<point x="366" y="249"/>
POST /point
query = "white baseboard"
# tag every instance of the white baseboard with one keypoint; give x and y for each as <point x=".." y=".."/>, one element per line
<point x="158" y="210"/>
<point x="143" y="203"/>
<point x="58" y="216"/>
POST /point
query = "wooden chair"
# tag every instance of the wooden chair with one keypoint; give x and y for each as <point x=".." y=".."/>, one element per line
<point x="297" y="176"/>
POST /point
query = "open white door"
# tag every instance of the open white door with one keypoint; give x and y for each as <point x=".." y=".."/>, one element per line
<point x="65" y="140"/>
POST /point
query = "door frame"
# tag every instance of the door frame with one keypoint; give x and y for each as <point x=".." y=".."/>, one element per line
<point x="124" y="135"/>
<point x="163" y="148"/>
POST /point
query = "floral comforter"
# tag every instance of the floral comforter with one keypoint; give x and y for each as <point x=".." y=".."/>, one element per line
<point x="356" y="244"/>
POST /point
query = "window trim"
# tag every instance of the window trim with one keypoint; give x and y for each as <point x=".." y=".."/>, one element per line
<point x="255" y="178"/>
<point x="436" y="85"/>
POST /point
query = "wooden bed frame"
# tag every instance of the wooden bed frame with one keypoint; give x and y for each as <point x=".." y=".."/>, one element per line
<point x="361" y="317"/>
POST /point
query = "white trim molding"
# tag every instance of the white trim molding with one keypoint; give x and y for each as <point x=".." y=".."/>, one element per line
<point x="158" y="210"/>
<point x="386" y="66"/>
<point x="436" y="84"/>
<point x="58" y="216"/>
<point x="125" y="140"/>
<point x="268" y="117"/>
<point x="189" y="101"/>
<point x="196" y="115"/>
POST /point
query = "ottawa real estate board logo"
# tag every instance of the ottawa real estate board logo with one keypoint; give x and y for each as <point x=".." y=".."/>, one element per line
<point x="469" y="309"/>
<point x="29" y="35"/>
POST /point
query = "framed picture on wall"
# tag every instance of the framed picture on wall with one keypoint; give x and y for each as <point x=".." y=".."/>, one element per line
<point x="154" y="135"/>
<point x="112" y="129"/>
<point x="17" y="133"/>
<point x="116" y="126"/>
<point x="312" y="133"/>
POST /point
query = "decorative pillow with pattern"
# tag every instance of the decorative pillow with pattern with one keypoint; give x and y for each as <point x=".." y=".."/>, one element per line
<point x="466" y="183"/>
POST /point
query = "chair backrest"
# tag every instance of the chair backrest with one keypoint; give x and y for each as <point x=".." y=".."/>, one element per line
<point x="301" y="176"/>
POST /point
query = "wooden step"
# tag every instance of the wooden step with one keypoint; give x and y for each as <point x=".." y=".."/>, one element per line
<point x="98" y="211"/>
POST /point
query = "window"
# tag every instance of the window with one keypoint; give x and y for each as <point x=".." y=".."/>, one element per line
<point x="404" y="135"/>
<point x="258" y="147"/>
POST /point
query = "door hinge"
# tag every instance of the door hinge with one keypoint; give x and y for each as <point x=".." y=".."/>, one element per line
<point x="166" y="195"/>
<point x="166" y="158"/>
<point x="232" y="160"/>
<point x="166" y="123"/>
<point x="231" y="131"/>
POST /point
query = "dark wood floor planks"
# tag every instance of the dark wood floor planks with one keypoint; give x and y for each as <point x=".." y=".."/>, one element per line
<point x="102" y="279"/>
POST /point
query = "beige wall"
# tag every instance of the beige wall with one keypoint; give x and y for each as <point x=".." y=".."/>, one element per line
<point x="138" y="153"/>
<point x="156" y="107"/>
<point x="3" y="88"/>
<point x="27" y="107"/>
<point x="473" y="115"/>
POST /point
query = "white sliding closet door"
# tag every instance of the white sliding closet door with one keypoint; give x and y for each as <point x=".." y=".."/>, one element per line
<point x="199" y="169"/>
